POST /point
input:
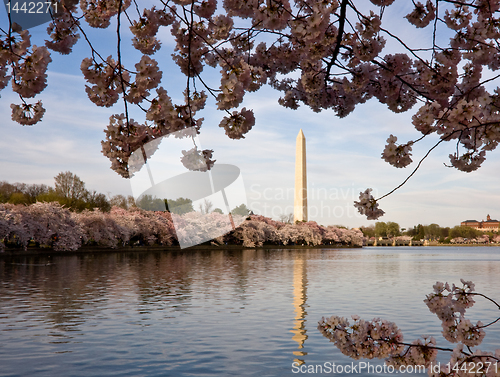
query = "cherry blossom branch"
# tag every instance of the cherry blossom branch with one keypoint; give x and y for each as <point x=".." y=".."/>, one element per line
<point x="340" y="34"/>
<point x="471" y="4"/>
<point x="92" y="49"/>
<point x="489" y="324"/>
<point x="395" y="37"/>
<point x="414" y="170"/>
<point x="120" y="72"/>
<point x="190" y="64"/>
<point x="486" y="297"/>
<point x="434" y="29"/>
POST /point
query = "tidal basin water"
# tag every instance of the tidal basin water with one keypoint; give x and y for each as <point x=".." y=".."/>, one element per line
<point x="221" y="313"/>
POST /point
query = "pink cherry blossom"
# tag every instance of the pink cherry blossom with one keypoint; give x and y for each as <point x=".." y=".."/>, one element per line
<point x="368" y="206"/>
<point x="382" y="339"/>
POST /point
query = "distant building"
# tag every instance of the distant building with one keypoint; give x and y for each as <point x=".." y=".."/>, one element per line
<point x="485" y="226"/>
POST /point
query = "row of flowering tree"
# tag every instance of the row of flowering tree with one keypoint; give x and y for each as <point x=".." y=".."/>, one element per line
<point x="483" y="239"/>
<point x="260" y="230"/>
<point x="50" y="224"/>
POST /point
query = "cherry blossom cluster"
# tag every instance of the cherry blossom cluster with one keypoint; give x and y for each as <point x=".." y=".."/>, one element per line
<point x="238" y="124"/>
<point x="238" y="77"/>
<point x="9" y="225"/>
<point x="122" y="139"/>
<point x="363" y="339"/>
<point x="105" y="79"/>
<point x="169" y="118"/>
<point x="419" y="352"/>
<point x="468" y="161"/>
<point x="126" y="136"/>
<point x="190" y="47"/>
<point x="383" y="339"/>
<point x="196" y="160"/>
<point x="63" y="32"/>
<point x="450" y="309"/>
<point x="148" y="77"/>
<point x="12" y="50"/>
<point x="194" y="228"/>
<point x="27" y="71"/>
<point x="29" y="74"/>
<point x="146" y="28"/>
<point x="27" y="114"/>
<point x="98" y="13"/>
<point x="397" y="155"/>
<point x="146" y="226"/>
<point x="484" y="239"/>
<point x="368" y="206"/>
<point x="100" y="228"/>
<point x="422" y="15"/>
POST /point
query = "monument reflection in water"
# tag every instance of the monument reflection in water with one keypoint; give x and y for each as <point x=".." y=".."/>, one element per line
<point x="299" y="303"/>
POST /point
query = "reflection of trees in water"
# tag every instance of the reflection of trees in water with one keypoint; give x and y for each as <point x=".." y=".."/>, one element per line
<point x="66" y="289"/>
<point x="243" y="265"/>
<point x="170" y="278"/>
<point x="69" y="289"/>
<point x="163" y="279"/>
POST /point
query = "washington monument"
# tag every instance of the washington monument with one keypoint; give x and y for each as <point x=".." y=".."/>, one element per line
<point x="300" y="203"/>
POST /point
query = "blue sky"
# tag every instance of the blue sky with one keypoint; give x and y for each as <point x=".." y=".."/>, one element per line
<point x="343" y="155"/>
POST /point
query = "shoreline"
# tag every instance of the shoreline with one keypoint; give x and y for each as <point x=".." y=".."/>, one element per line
<point x="35" y="251"/>
<point x="40" y="251"/>
<point x="443" y="244"/>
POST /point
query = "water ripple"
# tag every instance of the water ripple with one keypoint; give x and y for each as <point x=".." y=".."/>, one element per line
<point x="217" y="313"/>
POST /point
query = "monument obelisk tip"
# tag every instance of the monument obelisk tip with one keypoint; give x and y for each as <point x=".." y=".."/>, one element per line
<point x="300" y="202"/>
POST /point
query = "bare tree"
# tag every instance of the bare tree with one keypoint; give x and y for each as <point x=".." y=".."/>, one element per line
<point x="32" y="191"/>
<point x="206" y="207"/>
<point x="287" y="219"/>
<point x="118" y="201"/>
<point x="131" y="202"/>
<point x="98" y="200"/>
<point x="70" y="186"/>
<point x="6" y="190"/>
